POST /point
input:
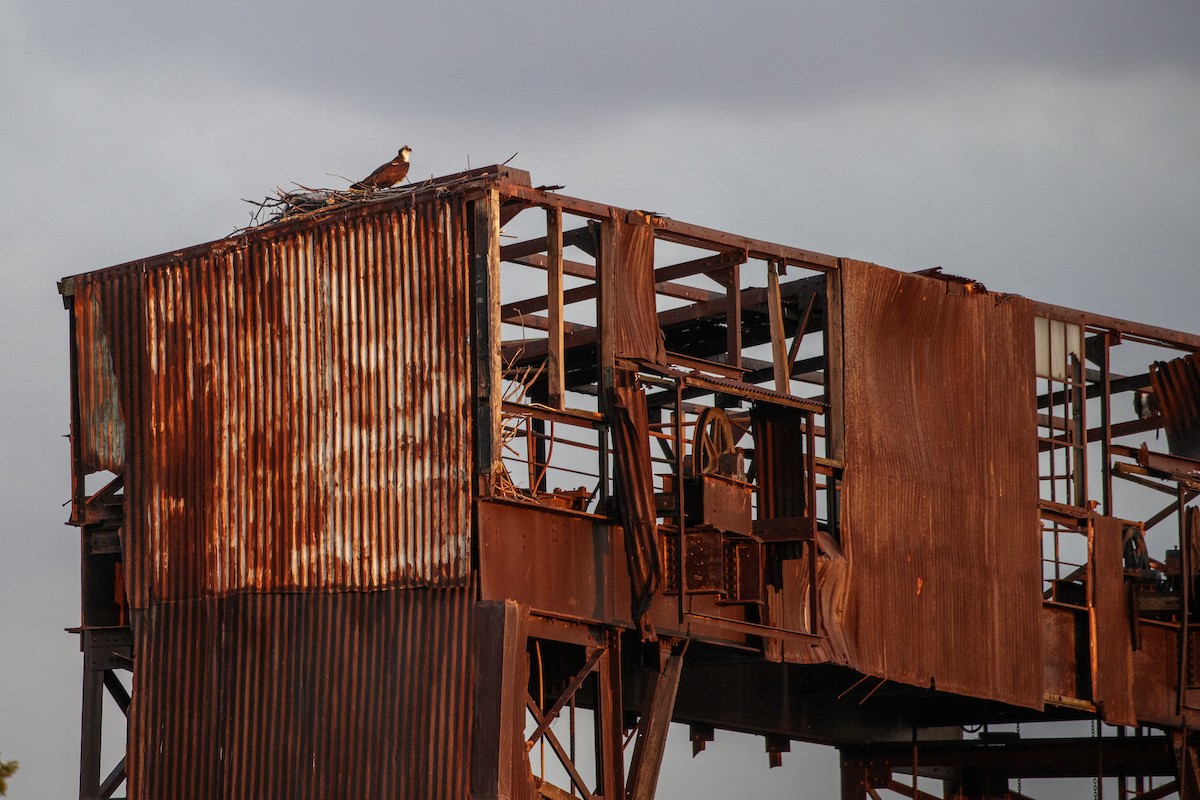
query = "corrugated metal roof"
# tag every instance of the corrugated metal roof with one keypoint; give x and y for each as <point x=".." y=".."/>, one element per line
<point x="940" y="520"/>
<point x="290" y="409"/>
<point x="326" y="695"/>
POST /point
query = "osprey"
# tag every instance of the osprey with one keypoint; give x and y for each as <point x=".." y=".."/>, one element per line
<point x="389" y="174"/>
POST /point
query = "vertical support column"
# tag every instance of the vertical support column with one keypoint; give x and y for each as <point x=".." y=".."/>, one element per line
<point x="1106" y="424"/>
<point x="92" y="725"/>
<point x="731" y="278"/>
<point x="855" y="782"/>
<point x="485" y="322"/>
<point x="835" y="434"/>
<point x="610" y="762"/>
<point x="497" y="743"/>
<point x="606" y="313"/>
<point x="554" y="306"/>
<point x="733" y="316"/>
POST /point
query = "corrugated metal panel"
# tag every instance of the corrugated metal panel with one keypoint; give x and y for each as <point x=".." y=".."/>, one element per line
<point x="100" y="408"/>
<point x="293" y="406"/>
<point x="327" y="695"/>
<point x="940" y="520"/>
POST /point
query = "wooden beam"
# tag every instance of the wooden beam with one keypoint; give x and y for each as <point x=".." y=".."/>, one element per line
<point x="779" y="353"/>
<point x="652" y="729"/>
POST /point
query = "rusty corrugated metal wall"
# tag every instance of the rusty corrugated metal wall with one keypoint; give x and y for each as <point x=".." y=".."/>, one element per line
<point x="290" y="409"/>
<point x="940" y="519"/>
<point x="322" y="695"/>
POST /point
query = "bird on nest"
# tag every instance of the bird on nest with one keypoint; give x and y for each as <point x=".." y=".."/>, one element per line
<point x="387" y="175"/>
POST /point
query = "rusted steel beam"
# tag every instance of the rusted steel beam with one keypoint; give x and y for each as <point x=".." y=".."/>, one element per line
<point x="551" y="792"/>
<point x="560" y="751"/>
<point x="117" y="691"/>
<point x="571" y="205"/>
<point x="1152" y="333"/>
<point x="579" y="294"/>
<point x="696" y="266"/>
<point x="752" y="299"/>
<point x="1118" y="385"/>
<point x="908" y="791"/>
<point x="92" y="730"/>
<point x="675" y="231"/>
<point x="1029" y="758"/>
<point x="540" y="244"/>
<point x="114" y="779"/>
<point x="1159" y="792"/>
<point x="685" y="233"/>
<point x="572" y="687"/>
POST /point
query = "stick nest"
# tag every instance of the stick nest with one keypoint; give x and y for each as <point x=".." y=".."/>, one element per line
<point x="304" y="202"/>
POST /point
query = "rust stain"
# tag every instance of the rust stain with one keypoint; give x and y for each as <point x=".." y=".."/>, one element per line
<point x="290" y="412"/>
<point x="941" y="490"/>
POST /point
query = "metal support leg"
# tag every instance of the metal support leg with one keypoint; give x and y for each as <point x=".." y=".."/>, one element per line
<point x="90" y="738"/>
<point x="610" y="762"/>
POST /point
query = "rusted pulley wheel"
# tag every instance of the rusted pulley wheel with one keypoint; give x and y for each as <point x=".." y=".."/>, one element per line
<point x="711" y="439"/>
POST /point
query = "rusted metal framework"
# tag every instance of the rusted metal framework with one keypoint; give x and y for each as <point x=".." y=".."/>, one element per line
<point x="472" y="489"/>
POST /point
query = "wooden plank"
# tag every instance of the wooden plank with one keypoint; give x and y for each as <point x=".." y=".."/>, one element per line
<point x="778" y="341"/>
<point x="652" y="730"/>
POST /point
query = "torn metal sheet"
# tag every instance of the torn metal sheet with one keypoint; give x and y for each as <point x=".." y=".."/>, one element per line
<point x="1176" y="386"/>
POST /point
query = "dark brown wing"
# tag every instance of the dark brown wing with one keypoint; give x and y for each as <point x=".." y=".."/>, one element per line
<point x="389" y="174"/>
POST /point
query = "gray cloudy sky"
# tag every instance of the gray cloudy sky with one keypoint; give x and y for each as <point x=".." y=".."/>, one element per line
<point x="1047" y="149"/>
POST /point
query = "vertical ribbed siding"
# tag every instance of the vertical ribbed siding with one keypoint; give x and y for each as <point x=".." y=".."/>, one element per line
<point x="327" y="695"/>
<point x="939" y="498"/>
<point x="293" y="406"/>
